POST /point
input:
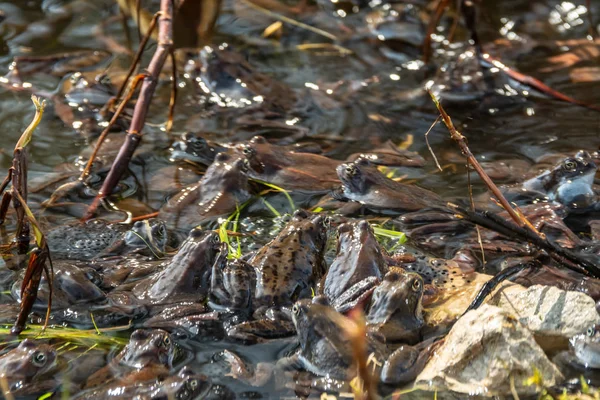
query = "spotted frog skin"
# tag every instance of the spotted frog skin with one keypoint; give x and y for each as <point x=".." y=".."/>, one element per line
<point x="25" y="366"/>
<point x="147" y="349"/>
<point x="96" y="238"/>
<point x="282" y="271"/>
<point x="396" y="309"/>
<point x="364" y="184"/>
<point x="357" y="268"/>
<point x="289" y="265"/>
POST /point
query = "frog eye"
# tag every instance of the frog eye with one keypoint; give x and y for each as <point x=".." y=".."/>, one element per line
<point x="166" y="341"/>
<point x="351" y="169"/>
<point x="591" y="331"/>
<point x="183" y="394"/>
<point x="295" y="309"/>
<point x="39" y="359"/>
<point x="248" y="151"/>
<point x="417" y="285"/>
<point x="570" y="165"/>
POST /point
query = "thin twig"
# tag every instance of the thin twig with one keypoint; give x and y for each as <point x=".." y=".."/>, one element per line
<point x="462" y="143"/>
<point x="134" y="84"/>
<point x="134" y="135"/>
<point x="137" y="57"/>
<point x="429" y="146"/>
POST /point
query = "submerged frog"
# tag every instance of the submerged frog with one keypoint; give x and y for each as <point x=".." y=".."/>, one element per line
<point x="292" y="170"/>
<point x="26" y="368"/>
<point x="97" y="238"/>
<point x="223" y="189"/>
<point x="568" y="183"/>
<point x="363" y="184"/>
<point x="357" y="268"/>
<point x="185" y="385"/>
<point x="235" y="82"/>
<point x="72" y="285"/>
<point x="281" y="272"/>
<point x="147" y="350"/>
<point x="326" y="348"/>
<point x="390" y="155"/>
<point x="396" y="309"/>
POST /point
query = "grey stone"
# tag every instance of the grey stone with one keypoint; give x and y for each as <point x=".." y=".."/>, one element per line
<point x="551" y="314"/>
<point x="484" y="350"/>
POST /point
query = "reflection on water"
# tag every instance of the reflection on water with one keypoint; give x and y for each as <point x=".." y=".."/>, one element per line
<point x="349" y="98"/>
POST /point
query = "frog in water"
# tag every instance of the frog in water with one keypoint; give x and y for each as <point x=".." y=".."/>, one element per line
<point x="185" y="385"/>
<point x="292" y="170"/>
<point x="223" y="189"/>
<point x="148" y="351"/>
<point x="326" y="348"/>
<point x="187" y="275"/>
<point x="357" y="268"/>
<point x="586" y="347"/>
<point x="231" y="78"/>
<point x="281" y="272"/>
<point x="568" y="183"/>
<point x="27" y="368"/>
<point x="193" y="148"/>
<point x="396" y="309"/>
<point x="72" y="285"/>
<point x="97" y="238"/>
<point x="364" y="185"/>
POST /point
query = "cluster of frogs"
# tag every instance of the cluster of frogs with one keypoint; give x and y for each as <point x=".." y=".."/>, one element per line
<point x="289" y="288"/>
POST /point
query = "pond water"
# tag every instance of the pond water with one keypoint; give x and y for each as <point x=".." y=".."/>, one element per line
<point x="349" y="98"/>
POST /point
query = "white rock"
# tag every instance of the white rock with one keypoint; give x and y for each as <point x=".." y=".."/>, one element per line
<point x="551" y="314"/>
<point x="484" y="349"/>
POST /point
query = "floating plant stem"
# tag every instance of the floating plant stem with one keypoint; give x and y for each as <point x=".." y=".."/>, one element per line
<point x="279" y="189"/>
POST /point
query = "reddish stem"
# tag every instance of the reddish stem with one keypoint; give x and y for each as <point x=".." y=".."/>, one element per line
<point x="134" y="135"/>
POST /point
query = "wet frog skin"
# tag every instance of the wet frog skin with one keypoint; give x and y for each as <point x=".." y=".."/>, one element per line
<point x="187" y="276"/>
<point x="287" y="267"/>
<point x="292" y="170"/>
<point x="396" y="309"/>
<point x="586" y="347"/>
<point x="147" y="349"/>
<point x="185" y="385"/>
<point x="282" y="271"/>
<point x="24" y="368"/>
<point x="223" y="188"/>
<point x="95" y="238"/>
<point x="72" y="285"/>
<point x="364" y="184"/>
<point x="357" y="268"/>
<point x="230" y="76"/>
<point x="568" y="183"/>
<point x="326" y="350"/>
